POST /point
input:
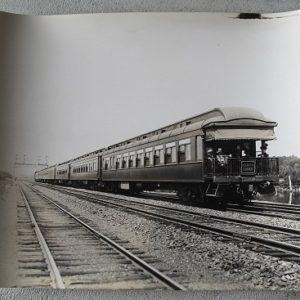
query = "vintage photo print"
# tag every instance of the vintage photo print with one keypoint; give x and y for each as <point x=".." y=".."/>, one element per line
<point x="150" y="151"/>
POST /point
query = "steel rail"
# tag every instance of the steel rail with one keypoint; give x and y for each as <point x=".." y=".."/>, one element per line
<point x="288" y="216"/>
<point x="293" y="214"/>
<point x="231" y="220"/>
<point x="275" y="209"/>
<point x="271" y="206"/>
<point x="166" y="280"/>
<point x="288" y="248"/>
<point x="54" y="272"/>
<point x="276" y="204"/>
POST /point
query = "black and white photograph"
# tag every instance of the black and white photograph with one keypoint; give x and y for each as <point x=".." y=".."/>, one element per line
<point x="150" y="151"/>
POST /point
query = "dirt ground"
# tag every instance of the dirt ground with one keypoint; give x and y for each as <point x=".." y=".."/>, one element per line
<point x="8" y="232"/>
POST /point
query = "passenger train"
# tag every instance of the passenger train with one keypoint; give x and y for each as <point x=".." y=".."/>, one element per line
<point x="217" y="156"/>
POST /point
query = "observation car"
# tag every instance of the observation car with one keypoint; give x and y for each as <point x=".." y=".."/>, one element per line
<point x="218" y="156"/>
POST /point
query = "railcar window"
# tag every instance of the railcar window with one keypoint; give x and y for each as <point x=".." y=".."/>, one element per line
<point x="139" y="159"/>
<point x="106" y="164"/>
<point x="131" y="161"/>
<point x="124" y="161"/>
<point x="181" y="153"/>
<point x="148" y="158"/>
<point x="184" y="151"/>
<point x="118" y="163"/>
<point x="170" y="155"/>
<point x="156" y="157"/>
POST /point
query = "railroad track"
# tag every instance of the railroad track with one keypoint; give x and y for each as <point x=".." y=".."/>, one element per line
<point x="79" y="256"/>
<point x="282" y="211"/>
<point x="268" y="209"/>
<point x="32" y="266"/>
<point x="271" y="210"/>
<point x="270" y="240"/>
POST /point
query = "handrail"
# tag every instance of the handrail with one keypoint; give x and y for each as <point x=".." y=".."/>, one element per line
<point x="233" y="166"/>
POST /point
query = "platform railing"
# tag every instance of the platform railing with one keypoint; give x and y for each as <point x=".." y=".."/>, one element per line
<point x="252" y="166"/>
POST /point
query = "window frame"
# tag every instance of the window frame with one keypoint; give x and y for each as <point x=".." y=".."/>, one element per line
<point x="171" y="158"/>
<point x="186" y="144"/>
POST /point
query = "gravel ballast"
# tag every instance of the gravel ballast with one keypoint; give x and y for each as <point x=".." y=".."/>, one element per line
<point x="200" y="260"/>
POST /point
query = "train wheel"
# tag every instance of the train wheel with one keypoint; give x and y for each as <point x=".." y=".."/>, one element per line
<point x="221" y="204"/>
<point x="185" y="195"/>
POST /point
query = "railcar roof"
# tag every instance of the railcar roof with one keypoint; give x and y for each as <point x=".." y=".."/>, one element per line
<point x="216" y="115"/>
<point x="238" y="116"/>
<point x="230" y="113"/>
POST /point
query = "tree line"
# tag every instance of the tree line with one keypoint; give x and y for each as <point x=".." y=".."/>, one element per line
<point x="290" y="166"/>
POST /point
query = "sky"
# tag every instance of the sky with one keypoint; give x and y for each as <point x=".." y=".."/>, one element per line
<point x="74" y="84"/>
